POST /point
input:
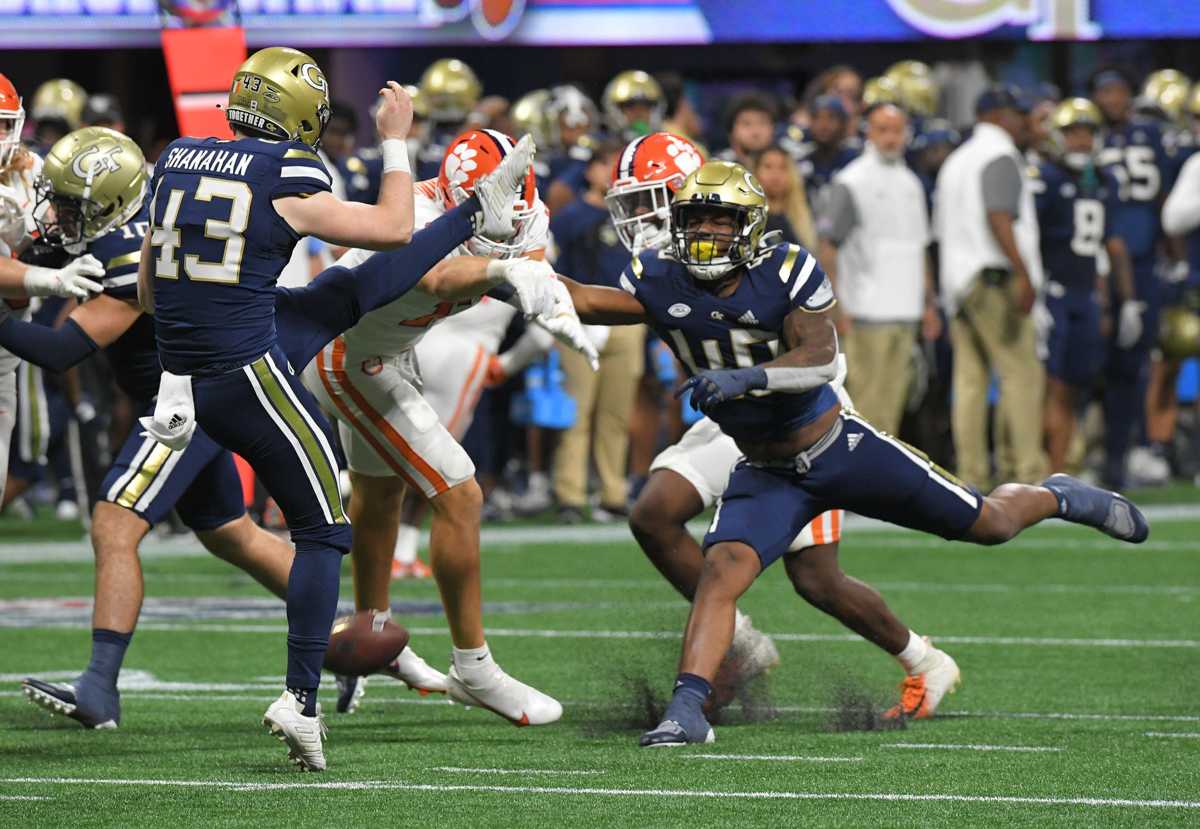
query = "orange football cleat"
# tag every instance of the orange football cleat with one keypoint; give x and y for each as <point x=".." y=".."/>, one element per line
<point x="920" y="694"/>
<point x="416" y="570"/>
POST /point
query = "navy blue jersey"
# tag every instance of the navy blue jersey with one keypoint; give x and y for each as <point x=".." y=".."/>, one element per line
<point x="1075" y="212"/>
<point x="134" y="355"/>
<point x="588" y="248"/>
<point x="743" y="329"/>
<point x="363" y="175"/>
<point x="219" y="246"/>
<point x="1134" y="153"/>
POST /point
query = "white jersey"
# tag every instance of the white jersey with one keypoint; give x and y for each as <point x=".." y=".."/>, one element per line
<point x="17" y="200"/>
<point x="483" y="324"/>
<point x="396" y="327"/>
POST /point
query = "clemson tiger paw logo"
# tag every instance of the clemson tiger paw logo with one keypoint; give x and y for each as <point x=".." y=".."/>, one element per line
<point x="460" y="163"/>
<point x="685" y="155"/>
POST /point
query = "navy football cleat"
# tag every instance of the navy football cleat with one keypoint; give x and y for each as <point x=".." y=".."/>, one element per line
<point x="61" y="698"/>
<point x="669" y="733"/>
<point x="1110" y="512"/>
<point x="351" y="690"/>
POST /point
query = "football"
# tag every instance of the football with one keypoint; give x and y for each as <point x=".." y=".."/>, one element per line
<point x="361" y="644"/>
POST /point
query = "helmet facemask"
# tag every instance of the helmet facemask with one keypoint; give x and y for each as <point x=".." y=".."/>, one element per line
<point x="11" y="123"/>
<point x="711" y="254"/>
<point x="72" y="221"/>
<point x="641" y="213"/>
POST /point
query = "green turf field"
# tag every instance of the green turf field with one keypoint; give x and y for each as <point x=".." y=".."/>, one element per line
<point x="1081" y="661"/>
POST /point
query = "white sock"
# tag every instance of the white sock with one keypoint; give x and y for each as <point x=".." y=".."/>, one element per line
<point x="914" y="653"/>
<point x="407" y="541"/>
<point x="382" y="616"/>
<point x="473" y="665"/>
<point x="539" y="482"/>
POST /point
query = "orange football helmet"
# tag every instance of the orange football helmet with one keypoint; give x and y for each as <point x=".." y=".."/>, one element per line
<point x="12" y="120"/>
<point x="470" y="157"/>
<point x="647" y="173"/>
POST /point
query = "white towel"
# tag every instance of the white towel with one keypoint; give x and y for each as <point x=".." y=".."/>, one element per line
<point x="174" y="417"/>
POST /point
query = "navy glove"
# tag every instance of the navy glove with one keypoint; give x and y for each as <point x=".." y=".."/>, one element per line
<point x="711" y="388"/>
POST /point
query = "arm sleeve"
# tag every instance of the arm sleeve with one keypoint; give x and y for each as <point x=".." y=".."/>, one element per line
<point x="301" y="172"/>
<point x="54" y="349"/>
<point x="838" y="214"/>
<point x="1002" y="185"/>
<point x="1181" y="211"/>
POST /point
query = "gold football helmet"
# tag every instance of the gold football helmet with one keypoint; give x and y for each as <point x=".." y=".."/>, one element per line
<point x="450" y="89"/>
<point x="280" y="93"/>
<point x="531" y="114"/>
<point x="881" y="90"/>
<point x="626" y="90"/>
<point x="59" y="98"/>
<point x="908" y="69"/>
<point x="1179" y="332"/>
<point x="1157" y="82"/>
<point x="1074" y="112"/>
<point x="919" y="94"/>
<point x="93" y="180"/>
<point x="718" y="193"/>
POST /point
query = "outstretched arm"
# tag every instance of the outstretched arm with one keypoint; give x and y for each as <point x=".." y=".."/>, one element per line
<point x="384" y="225"/>
<point x="90" y="326"/>
<point x="597" y="305"/>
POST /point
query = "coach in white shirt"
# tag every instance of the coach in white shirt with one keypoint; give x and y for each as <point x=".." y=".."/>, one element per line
<point x="991" y="269"/>
<point x="874" y="231"/>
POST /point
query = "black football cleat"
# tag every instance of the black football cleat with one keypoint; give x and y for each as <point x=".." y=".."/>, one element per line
<point x="61" y="698"/>
<point x="1110" y="512"/>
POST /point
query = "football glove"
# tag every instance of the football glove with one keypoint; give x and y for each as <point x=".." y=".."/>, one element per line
<point x="70" y="281"/>
<point x="709" y="389"/>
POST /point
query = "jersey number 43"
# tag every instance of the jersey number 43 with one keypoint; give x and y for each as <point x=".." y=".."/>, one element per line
<point x="167" y="237"/>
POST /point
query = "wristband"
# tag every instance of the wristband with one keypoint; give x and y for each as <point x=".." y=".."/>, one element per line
<point x="395" y="156"/>
<point x="497" y="271"/>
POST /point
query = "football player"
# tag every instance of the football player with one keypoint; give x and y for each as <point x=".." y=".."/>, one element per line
<point x="369" y="379"/>
<point x="225" y="218"/>
<point x="1075" y="200"/>
<point x="449" y="90"/>
<point x="19" y="170"/>
<point x="689" y="477"/>
<point x="1133" y="151"/>
<point x="105" y="212"/>
<point x="634" y="104"/>
<point x="825" y="147"/>
<point x="752" y="325"/>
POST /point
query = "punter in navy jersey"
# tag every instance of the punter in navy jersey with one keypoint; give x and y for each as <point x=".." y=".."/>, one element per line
<point x="225" y="217"/>
<point x="752" y="327"/>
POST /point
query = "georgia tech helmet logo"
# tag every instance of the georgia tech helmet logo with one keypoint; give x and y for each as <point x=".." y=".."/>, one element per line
<point x="311" y="75"/>
<point x="752" y="184"/>
<point x="102" y="161"/>
<point x="1047" y="19"/>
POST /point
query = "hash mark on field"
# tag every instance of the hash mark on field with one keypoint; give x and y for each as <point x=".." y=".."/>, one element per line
<point x="1191" y="735"/>
<point x="23" y="797"/>
<point x="232" y="785"/>
<point x="459" y="770"/>
<point x="782" y="758"/>
<point x="970" y="747"/>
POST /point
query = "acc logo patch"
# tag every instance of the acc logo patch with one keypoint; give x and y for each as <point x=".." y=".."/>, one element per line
<point x="372" y="366"/>
<point x="679" y="310"/>
<point x="820" y="297"/>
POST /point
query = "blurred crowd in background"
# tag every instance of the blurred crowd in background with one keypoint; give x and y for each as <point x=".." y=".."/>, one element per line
<point x="1118" y="406"/>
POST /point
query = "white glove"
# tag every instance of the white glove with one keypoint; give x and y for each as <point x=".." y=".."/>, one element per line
<point x="532" y="279"/>
<point x="1043" y="323"/>
<point x="1129" y="323"/>
<point x="564" y="324"/>
<point x="174" y="418"/>
<point x="70" y="281"/>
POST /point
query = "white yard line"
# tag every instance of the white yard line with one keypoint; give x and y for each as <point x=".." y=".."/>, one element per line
<point x="598" y="792"/>
<point x="971" y="747"/>
<point x="459" y="770"/>
<point x="23" y="797"/>
<point x="1183" y="735"/>
<point x="776" y="758"/>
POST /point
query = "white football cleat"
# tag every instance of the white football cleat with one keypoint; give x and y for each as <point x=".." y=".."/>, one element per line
<point x="303" y="735"/>
<point x="517" y="702"/>
<point x="751" y="654"/>
<point x="922" y="692"/>
<point x="416" y="673"/>
<point x="498" y="191"/>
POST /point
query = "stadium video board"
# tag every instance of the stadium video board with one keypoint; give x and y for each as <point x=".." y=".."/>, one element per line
<point x="81" y="23"/>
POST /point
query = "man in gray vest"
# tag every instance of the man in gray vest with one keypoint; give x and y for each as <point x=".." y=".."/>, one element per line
<point x="874" y="232"/>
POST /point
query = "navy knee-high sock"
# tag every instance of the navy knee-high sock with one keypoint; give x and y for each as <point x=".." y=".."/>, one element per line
<point x="312" y="594"/>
